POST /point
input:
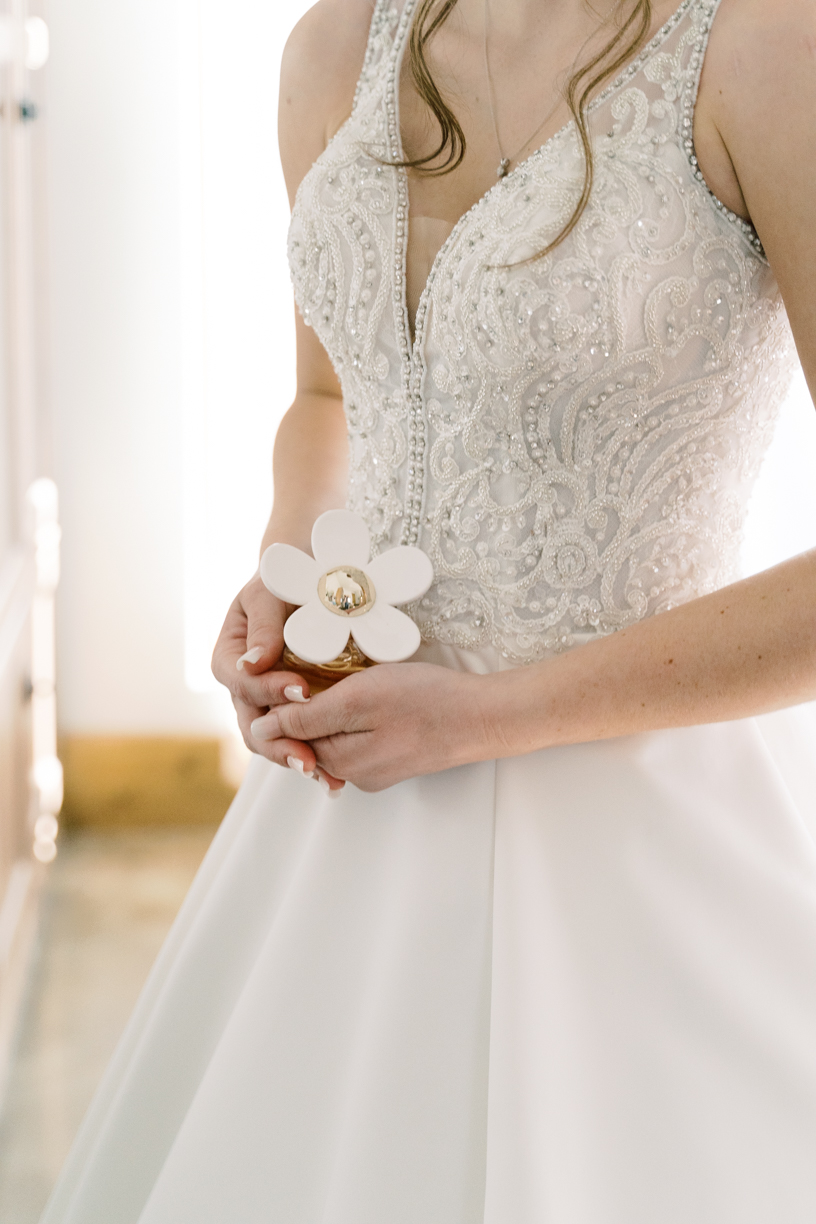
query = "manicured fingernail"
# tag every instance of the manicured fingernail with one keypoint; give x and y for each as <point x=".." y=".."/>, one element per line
<point x="293" y="692"/>
<point x="251" y="656"/>
<point x="295" y="763"/>
<point x="333" y="794"/>
<point x="264" y="728"/>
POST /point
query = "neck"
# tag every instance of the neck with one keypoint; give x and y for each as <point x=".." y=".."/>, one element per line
<point x="519" y="20"/>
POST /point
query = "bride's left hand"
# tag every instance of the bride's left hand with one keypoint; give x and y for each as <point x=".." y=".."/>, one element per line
<point x="391" y="722"/>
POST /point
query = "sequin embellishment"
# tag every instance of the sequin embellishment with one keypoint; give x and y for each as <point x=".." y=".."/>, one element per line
<point x="572" y="440"/>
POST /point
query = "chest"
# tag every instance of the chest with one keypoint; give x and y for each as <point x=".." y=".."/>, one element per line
<point x="649" y="215"/>
<point x="506" y="89"/>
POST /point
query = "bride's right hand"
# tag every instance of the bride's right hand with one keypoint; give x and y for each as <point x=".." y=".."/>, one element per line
<point x="254" y="628"/>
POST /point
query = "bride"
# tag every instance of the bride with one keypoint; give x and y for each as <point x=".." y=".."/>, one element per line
<point x="550" y="952"/>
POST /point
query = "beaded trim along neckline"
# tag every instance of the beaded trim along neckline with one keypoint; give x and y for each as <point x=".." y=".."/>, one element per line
<point x="571" y="439"/>
<point x="411" y="348"/>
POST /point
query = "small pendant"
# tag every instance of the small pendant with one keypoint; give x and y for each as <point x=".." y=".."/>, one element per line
<point x="503" y="168"/>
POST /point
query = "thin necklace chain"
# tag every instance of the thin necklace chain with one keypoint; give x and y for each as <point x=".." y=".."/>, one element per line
<point x="505" y="162"/>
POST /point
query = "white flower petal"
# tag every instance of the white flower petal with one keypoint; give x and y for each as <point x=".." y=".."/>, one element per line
<point x="340" y="537"/>
<point x="385" y="634"/>
<point x="315" y="634"/>
<point x="401" y="574"/>
<point x="290" y="574"/>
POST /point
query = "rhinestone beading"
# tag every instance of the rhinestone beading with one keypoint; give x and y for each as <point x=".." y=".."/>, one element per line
<point x="573" y="439"/>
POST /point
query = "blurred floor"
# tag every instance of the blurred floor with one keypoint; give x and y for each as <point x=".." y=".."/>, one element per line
<point x="110" y="900"/>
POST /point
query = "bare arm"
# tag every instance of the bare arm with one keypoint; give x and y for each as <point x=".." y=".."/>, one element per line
<point x="751" y="647"/>
<point x="757" y="127"/>
<point x="320" y="68"/>
<point x="744" y="650"/>
<point x="310" y="456"/>
<point x="321" y="64"/>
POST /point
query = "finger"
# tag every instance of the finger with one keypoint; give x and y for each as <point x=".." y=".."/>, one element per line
<point x="281" y="749"/>
<point x="329" y="713"/>
<point x="250" y="657"/>
<point x="289" y="753"/>
<point x="273" y="688"/>
<point x="231" y="643"/>
<point x="265" y="615"/>
<point x="292" y="754"/>
<point x="335" y="757"/>
<point x="326" y="770"/>
<point x="252" y="635"/>
<point x="332" y="786"/>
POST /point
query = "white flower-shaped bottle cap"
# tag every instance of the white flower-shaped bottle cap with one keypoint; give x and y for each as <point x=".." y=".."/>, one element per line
<point x="341" y="592"/>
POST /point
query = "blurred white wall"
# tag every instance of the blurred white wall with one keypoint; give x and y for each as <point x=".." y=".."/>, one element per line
<point x="172" y="335"/>
<point x="164" y="182"/>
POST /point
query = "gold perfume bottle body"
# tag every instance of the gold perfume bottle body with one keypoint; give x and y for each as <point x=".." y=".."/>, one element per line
<point x="322" y="676"/>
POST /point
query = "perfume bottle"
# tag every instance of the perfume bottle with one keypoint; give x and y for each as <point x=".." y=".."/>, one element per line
<point x="346" y="619"/>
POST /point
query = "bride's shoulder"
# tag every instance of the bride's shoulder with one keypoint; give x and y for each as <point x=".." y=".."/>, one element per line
<point x="753" y="35"/>
<point x="760" y="77"/>
<point x="321" y="65"/>
<point x="759" y="69"/>
<point x="328" y="35"/>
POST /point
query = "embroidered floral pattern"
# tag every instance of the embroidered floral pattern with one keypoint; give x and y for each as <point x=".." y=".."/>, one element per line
<point x="571" y="440"/>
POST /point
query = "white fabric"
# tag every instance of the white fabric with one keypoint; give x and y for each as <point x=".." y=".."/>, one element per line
<point x="577" y="987"/>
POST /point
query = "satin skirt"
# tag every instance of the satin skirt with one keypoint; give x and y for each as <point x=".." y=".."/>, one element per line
<point x="575" y="987"/>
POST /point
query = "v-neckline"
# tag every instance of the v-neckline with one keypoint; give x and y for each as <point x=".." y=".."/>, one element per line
<point x="413" y="345"/>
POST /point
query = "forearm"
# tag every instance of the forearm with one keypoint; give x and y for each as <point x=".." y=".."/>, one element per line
<point x="742" y="651"/>
<point x="310" y="468"/>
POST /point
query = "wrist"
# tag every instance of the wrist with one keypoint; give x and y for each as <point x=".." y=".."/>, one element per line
<point x="515" y="707"/>
<point x="487" y="717"/>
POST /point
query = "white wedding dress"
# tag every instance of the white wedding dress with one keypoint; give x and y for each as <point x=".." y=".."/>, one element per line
<point x="576" y="987"/>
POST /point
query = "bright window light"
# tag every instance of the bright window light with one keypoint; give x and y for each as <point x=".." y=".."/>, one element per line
<point x="237" y="311"/>
<point x="37" y="43"/>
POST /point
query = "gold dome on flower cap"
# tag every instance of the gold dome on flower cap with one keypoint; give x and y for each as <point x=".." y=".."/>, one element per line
<point x="346" y="591"/>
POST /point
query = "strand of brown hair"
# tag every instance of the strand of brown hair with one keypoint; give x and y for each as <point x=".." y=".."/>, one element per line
<point x="631" y="34"/>
<point x="451" y="137"/>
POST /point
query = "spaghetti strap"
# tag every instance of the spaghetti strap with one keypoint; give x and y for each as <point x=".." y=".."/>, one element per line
<point x="708" y="14"/>
<point x="384" y="22"/>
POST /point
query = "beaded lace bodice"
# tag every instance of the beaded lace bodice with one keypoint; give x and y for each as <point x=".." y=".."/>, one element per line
<point x="572" y="440"/>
